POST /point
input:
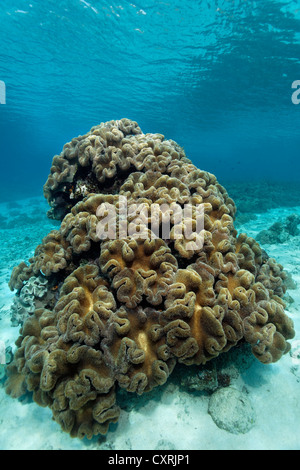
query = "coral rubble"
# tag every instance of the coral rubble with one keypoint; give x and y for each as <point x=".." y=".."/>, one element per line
<point x="123" y="310"/>
<point x="281" y="231"/>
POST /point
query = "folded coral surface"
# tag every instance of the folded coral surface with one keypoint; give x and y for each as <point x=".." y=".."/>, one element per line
<point x="123" y="311"/>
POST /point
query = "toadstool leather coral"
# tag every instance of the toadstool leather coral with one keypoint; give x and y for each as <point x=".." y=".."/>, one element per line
<point x="126" y="302"/>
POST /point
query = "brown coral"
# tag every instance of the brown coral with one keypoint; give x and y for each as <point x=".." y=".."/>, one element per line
<point x="138" y="268"/>
<point x="98" y="159"/>
<point x="133" y="295"/>
<point x="84" y="306"/>
<point x="136" y="349"/>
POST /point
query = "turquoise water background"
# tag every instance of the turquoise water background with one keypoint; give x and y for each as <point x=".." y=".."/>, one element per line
<point x="215" y="76"/>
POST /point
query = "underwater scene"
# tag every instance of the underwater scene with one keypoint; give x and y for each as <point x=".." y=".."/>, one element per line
<point x="150" y="227"/>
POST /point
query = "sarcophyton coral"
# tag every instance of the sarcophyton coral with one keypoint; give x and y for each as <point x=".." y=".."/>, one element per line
<point x="133" y="295"/>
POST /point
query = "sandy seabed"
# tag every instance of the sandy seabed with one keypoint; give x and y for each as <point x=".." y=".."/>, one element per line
<point x="170" y="417"/>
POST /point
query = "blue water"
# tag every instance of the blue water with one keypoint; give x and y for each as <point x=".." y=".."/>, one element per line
<point x="215" y="76"/>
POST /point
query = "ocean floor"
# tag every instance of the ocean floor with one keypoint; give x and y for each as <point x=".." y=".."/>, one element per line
<point x="174" y="416"/>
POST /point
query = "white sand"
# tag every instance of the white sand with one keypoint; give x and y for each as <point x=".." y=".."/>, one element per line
<point x="171" y="418"/>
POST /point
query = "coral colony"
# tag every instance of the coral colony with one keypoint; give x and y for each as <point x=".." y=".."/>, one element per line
<point x="110" y="312"/>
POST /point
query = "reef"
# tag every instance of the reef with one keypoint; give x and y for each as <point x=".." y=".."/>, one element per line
<point x="127" y="300"/>
<point x="281" y="231"/>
